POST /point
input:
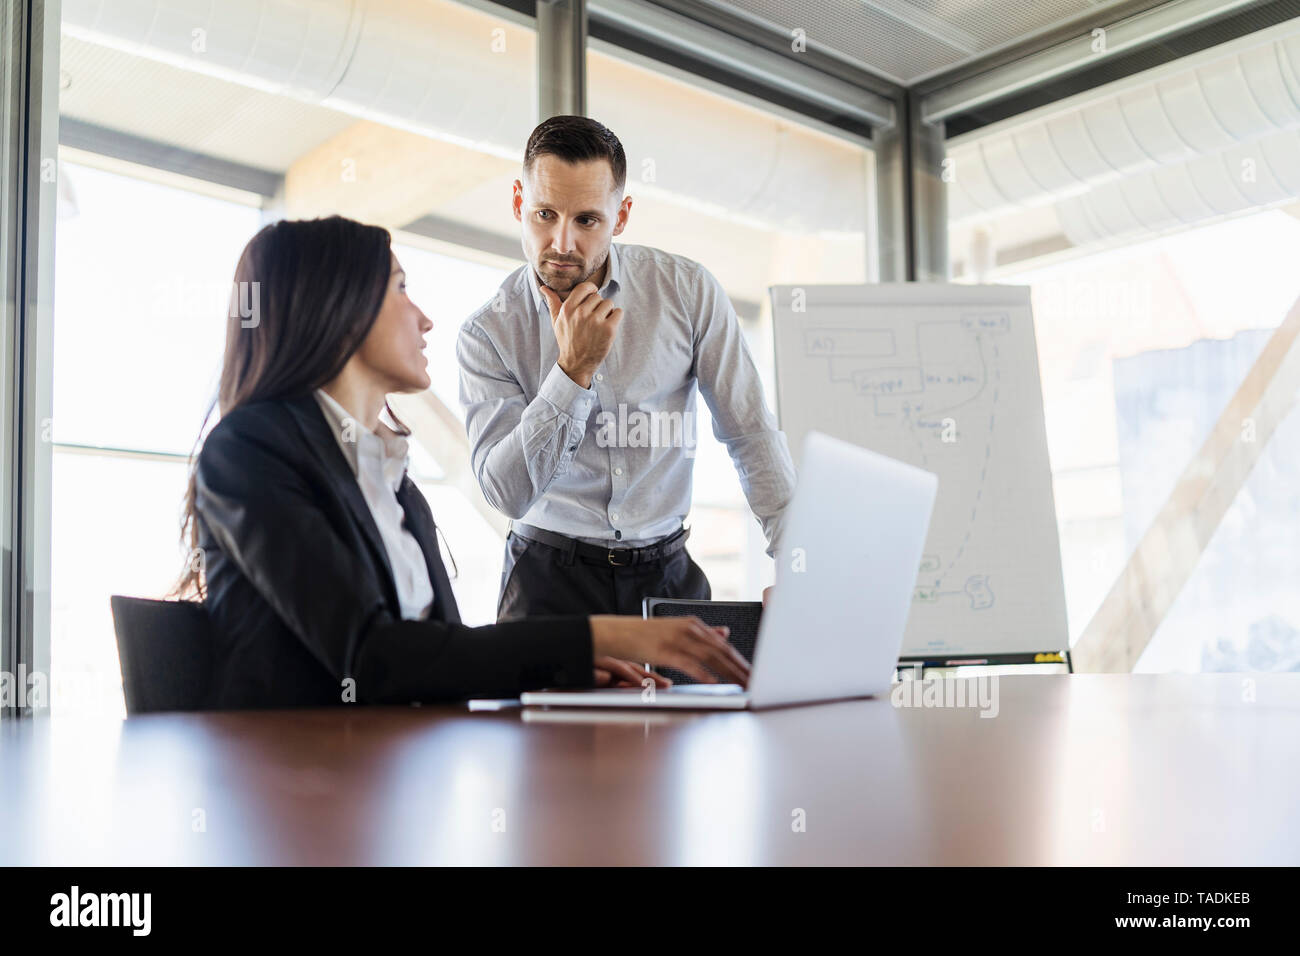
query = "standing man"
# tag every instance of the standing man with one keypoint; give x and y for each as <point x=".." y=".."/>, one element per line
<point x="581" y="421"/>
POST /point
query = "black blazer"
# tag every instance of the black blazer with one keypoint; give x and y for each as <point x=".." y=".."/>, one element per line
<point x="301" y="594"/>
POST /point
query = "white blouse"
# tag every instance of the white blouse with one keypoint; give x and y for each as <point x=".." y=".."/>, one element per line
<point x="379" y="460"/>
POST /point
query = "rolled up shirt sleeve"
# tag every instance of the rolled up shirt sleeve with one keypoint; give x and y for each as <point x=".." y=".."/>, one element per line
<point x="730" y="384"/>
<point x="517" y="447"/>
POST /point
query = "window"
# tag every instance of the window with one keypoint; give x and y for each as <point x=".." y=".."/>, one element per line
<point x="1156" y="226"/>
<point x="1140" y="350"/>
<point x="179" y="141"/>
<point x="141" y="289"/>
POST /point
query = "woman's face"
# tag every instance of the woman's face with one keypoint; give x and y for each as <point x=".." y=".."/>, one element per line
<point x="394" y="348"/>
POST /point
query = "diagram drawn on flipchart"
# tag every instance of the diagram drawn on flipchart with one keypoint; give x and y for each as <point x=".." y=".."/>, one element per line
<point x="954" y="370"/>
<point x="943" y="385"/>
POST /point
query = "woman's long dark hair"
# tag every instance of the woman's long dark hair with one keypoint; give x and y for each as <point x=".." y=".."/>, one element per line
<point x="305" y="295"/>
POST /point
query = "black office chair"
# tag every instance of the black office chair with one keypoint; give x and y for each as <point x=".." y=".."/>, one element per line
<point x="742" y="617"/>
<point x="165" y="648"/>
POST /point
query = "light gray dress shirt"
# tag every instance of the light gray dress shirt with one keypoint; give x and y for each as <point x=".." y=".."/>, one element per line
<point x="379" y="460"/>
<point x="612" y="464"/>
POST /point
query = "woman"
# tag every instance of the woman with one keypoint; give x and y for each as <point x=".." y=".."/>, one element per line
<point x="314" y="552"/>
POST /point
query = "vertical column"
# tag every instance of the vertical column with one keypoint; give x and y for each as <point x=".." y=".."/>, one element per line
<point x="911" y="197"/>
<point x="929" y="198"/>
<point x="561" y="58"/>
<point x="893" y="198"/>
<point x="29" y="105"/>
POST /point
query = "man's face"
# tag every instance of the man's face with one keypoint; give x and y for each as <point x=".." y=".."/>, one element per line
<point x="570" y="212"/>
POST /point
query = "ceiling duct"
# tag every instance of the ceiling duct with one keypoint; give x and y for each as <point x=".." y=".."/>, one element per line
<point x="428" y="67"/>
<point x="1213" y="136"/>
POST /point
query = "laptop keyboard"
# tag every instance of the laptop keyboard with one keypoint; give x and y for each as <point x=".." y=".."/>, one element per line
<point x="743" y="619"/>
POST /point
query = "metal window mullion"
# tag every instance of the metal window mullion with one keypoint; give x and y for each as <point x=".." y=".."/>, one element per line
<point x="742" y="53"/>
<point x="561" y="58"/>
<point x="31" y="90"/>
<point x="911" y="198"/>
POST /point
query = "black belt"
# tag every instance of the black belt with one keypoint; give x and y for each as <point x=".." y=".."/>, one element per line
<point x="611" y="557"/>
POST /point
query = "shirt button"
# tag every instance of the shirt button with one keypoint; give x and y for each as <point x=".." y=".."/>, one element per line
<point x="618" y="471"/>
<point x="599" y="377"/>
<point x="614" y="516"/>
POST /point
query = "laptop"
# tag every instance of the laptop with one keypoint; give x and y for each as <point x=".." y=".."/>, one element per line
<point x="845" y="574"/>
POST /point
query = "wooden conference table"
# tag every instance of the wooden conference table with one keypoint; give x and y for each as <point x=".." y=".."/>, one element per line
<point x="1089" y="769"/>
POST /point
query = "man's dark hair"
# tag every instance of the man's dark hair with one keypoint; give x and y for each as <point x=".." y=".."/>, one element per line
<point x="577" y="139"/>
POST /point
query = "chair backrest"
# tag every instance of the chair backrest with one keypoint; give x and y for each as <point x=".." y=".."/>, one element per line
<point x="165" y="648"/>
<point x="741" y="616"/>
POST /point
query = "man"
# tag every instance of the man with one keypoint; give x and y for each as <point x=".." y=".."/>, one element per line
<point x="581" y="421"/>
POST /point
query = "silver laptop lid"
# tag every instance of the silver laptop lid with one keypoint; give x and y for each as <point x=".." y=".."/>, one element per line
<point x="845" y="573"/>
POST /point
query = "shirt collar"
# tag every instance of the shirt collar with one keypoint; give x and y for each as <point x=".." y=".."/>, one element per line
<point x="383" y="448"/>
<point x="612" y="280"/>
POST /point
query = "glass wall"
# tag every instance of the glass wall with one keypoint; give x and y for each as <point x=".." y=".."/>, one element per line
<point x="11" y="84"/>
<point x="1141" y="348"/>
<point x="142" y="284"/>
<point x="1157" y="235"/>
<point x="180" y="140"/>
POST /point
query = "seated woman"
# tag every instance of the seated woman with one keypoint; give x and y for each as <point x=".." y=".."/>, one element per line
<point x="315" y="553"/>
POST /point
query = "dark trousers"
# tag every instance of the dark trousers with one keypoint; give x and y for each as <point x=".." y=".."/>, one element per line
<point x="538" y="579"/>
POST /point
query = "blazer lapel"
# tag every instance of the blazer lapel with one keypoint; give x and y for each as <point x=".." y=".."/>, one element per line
<point x="311" y="420"/>
<point x="419" y="521"/>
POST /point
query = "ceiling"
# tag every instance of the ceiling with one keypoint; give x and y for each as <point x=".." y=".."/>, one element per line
<point x="911" y="40"/>
<point x="119" y="94"/>
<point x="189" y="110"/>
